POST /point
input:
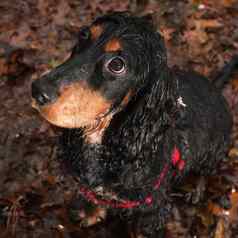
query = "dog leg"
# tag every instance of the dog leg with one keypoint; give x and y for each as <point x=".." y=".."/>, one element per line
<point x="85" y="213"/>
<point x="150" y="225"/>
<point x="97" y="215"/>
<point x="197" y="195"/>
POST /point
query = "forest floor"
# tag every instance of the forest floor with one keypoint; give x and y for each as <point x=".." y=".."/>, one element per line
<point x="36" y="197"/>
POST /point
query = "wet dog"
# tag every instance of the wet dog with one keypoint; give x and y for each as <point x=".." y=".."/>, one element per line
<point x="134" y="127"/>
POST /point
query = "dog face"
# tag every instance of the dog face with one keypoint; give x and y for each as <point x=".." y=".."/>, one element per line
<point x="108" y="65"/>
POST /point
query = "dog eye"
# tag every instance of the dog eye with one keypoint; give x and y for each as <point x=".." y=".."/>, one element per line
<point x="116" y="65"/>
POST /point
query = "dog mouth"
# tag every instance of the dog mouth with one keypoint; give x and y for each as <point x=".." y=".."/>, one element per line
<point x="77" y="106"/>
<point x="93" y="128"/>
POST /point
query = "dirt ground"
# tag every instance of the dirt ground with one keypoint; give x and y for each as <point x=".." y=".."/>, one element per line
<point x="36" y="196"/>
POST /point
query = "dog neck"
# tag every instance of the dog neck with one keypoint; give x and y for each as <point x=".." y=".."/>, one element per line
<point x="95" y="134"/>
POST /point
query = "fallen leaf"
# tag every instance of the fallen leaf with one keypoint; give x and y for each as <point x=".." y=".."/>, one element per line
<point x="220" y="229"/>
<point x="228" y="3"/>
<point x="215" y="209"/>
<point x="234" y="83"/>
<point x="233" y="217"/>
<point x="167" y="33"/>
<point x="209" y="23"/>
<point x="234" y="151"/>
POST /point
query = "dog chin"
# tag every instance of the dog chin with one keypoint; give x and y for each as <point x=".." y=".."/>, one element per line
<point x="66" y="121"/>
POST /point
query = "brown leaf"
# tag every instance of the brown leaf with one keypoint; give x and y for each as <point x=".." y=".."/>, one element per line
<point x="220" y="229"/>
<point x="233" y="216"/>
<point x="234" y="83"/>
<point x="234" y="151"/>
<point x="3" y="67"/>
<point x="215" y="209"/>
<point x="167" y="33"/>
<point x="206" y="217"/>
<point x="228" y="3"/>
<point x="51" y="180"/>
<point x="209" y="23"/>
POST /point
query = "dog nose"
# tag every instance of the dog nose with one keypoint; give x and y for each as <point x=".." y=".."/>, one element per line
<point x="41" y="94"/>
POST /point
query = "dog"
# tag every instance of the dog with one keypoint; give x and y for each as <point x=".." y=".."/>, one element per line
<point x="133" y="126"/>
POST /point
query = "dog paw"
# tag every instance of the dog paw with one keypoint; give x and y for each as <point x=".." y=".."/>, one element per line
<point x="197" y="195"/>
<point x="93" y="217"/>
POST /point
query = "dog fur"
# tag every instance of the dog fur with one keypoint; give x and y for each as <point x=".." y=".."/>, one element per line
<point x="132" y="134"/>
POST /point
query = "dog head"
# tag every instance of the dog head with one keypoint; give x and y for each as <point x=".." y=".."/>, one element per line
<point x="108" y="66"/>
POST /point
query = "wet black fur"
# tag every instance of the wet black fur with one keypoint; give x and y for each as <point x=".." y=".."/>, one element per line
<point x="169" y="109"/>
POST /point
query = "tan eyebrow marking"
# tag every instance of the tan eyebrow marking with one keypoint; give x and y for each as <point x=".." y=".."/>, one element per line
<point x="96" y="31"/>
<point x="113" y="45"/>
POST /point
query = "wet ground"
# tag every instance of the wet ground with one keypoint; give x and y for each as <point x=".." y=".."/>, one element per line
<point x="35" y="194"/>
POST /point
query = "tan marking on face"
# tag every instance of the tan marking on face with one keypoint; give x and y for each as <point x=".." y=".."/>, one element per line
<point x="96" y="31"/>
<point x="113" y="45"/>
<point x="95" y="135"/>
<point x="76" y="107"/>
<point x="80" y="107"/>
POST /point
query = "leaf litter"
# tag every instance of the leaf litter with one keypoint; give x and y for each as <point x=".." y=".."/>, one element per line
<point x="36" y="194"/>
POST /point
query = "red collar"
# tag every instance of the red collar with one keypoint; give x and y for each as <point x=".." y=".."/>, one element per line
<point x="93" y="197"/>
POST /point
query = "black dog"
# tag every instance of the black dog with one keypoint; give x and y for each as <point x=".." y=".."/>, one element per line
<point x="135" y="128"/>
